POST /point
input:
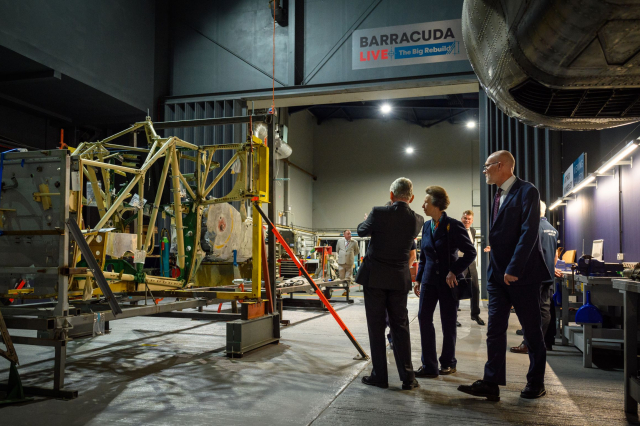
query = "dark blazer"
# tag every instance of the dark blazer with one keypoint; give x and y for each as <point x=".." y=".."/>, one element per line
<point x="515" y="244"/>
<point x="437" y="253"/>
<point x="392" y="230"/>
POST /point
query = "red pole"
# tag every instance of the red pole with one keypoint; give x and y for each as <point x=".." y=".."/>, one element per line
<point x="324" y="300"/>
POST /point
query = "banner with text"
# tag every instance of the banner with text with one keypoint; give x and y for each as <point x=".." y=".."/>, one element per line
<point x="424" y="43"/>
<point x="574" y="174"/>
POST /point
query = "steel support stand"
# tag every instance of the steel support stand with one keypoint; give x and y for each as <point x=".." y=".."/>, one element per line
<point x="15" y="391"/>
<point x="59" y="366"/>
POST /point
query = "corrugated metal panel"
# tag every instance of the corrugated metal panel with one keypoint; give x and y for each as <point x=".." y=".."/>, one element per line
<point x="209" y="135"/>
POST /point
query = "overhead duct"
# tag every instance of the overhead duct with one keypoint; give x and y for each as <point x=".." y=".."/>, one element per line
<point x="570" y="64"/>
<point x="282" y="149"/>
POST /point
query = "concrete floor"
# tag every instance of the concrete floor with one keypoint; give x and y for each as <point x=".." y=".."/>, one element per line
<point x="164" y="371"/>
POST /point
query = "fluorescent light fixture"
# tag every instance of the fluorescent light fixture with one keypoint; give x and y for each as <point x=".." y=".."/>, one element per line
<point x="385" y="108"/>
<point x="409" y="150"/>
<point x="631" y="146"/>
<point x="584" y="183"/>
<point x="559" y="202"/>
<point x="471" y="124"/>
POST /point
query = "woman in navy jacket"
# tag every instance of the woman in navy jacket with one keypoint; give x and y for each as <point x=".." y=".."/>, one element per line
<point x="437" y="275"/>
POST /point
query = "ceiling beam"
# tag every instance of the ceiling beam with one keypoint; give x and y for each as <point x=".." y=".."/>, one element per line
<point x="30" y="76"/>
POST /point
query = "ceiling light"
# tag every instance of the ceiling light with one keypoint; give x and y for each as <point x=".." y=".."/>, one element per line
<point x="558" y="202"/>
<point x="631" y="146"/>
<point x="471" y="124"/>
<point x="409" y="150"/>
<point x="584" y="183"/>
<point x="385" y="108"/>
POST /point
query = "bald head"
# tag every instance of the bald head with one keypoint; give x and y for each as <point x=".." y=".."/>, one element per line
<point x="499" y="167"/>
<point x="505" y="158"/>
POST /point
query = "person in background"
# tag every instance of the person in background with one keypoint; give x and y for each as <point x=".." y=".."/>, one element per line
<point x="515" y="272"/>
<point x="442" y="238"/>
<point x="549" y="241"/>
<point x="347" y="251"/>
<point x="386" y="279"/>
<point x="467" y="221"/>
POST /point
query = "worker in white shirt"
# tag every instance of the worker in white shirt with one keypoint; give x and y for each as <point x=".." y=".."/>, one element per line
<point x="347" y="251"/>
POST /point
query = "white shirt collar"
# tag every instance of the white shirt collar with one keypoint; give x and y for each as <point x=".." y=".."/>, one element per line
<point x="507" y="184"/>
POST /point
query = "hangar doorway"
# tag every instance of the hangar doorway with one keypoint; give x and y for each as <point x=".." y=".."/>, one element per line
<point x="345" y="155"/>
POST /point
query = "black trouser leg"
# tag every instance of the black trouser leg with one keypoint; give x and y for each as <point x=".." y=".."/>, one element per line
<point x="527" y="306"/>
<point x="399" y="324"/>
<point x="550" y="335"/>
<point x="375" y="306"/>
<point x="475" y="291"/>
<point x="545" y="309"/>
<point x="545" y="306"/>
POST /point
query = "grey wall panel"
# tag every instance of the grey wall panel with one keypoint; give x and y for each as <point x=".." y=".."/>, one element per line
<point x="106" y="45"/>
<point x="301" y="138"/>
<point x="208" y="135"/>
<point x="357" y="162"/>
<point x="227" y="46"/>
<point x="222" y="46"/>
<point x="326" y="21"/>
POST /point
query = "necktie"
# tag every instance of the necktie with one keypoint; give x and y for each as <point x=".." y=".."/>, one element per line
<point x="496" y="206"/>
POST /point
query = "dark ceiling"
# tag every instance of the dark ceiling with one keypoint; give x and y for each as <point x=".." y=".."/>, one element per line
<point x="424" y="111"/>
<point x="30" y="86"/>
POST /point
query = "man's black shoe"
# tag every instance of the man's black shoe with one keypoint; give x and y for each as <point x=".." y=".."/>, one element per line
<point x="367" y="381"/>
<point x="422" y="373"/>
<point x="447" y="371"/>
<point x="458" y="324"/>
<point x="532" y="391"/>
<point x="478" y="320"/>
<point x="410" y="385"/>
<point x="488" y="390"/>
<point x="520" y="332"/>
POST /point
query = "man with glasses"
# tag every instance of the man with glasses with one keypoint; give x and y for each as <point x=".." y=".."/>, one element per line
<point x="515" y="272"/>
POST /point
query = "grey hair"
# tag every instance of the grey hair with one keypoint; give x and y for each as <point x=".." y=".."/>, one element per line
<point x="402" y="188"/>
<point x="543" y="208"/>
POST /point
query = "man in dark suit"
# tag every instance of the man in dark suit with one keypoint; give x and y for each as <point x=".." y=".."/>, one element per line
<point x="516" y="270"/>
<point x="386" y="279"/>
<point x="472" y="271"/>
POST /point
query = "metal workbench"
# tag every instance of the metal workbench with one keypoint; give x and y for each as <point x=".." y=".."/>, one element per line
<point x="629" y="290"/>
<point x="586" y="337"/>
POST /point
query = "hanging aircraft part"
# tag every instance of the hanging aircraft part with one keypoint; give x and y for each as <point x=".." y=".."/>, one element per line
<point x="571" y="64"/>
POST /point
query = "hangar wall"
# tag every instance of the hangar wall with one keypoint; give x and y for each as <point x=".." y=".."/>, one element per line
<point x="301" y="137"/>
<point x="106" y="45"/>
<point x="220" y="47"/>
<point x="356" y="162"/>
<point x="610" y="210"/>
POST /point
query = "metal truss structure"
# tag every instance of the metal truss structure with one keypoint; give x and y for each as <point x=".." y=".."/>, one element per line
<point x="45" y="242"/>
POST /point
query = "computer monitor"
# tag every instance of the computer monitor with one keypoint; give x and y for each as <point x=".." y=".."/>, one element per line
<point x="597" y="250"/>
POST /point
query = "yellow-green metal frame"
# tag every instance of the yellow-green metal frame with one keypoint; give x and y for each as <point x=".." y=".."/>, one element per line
<point x="252" y="183"/>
